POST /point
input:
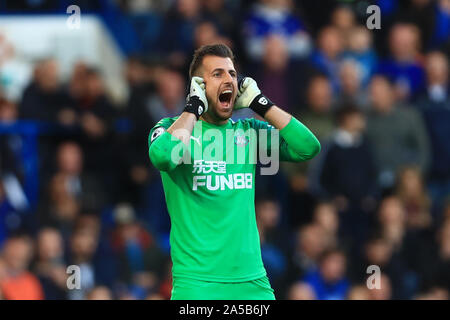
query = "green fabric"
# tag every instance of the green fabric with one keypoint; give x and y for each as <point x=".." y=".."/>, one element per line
<point x="213" y="234"/>
<point x="190" y="289"/>
<point x="322" y="124"/>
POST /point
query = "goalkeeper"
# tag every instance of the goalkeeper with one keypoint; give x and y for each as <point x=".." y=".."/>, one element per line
<point x="214" y="239"/>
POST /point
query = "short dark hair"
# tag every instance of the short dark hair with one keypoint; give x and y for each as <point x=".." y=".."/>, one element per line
<point x="219" y="50"/>
<point x="345" y="111"/>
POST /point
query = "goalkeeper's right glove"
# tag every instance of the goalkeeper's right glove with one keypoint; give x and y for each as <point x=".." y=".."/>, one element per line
<point x="196" y="100"/>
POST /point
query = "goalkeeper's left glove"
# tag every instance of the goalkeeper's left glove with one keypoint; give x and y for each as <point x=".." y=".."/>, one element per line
<point x="249" y="96"/>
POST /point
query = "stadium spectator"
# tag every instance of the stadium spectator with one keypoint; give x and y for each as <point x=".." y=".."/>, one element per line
<point x="385" y="291"/>
<point x="17" y="282"/>
<point x="344" y="19"/>
<point x="275" y="76"/>
<point x="347" y="176"/>
<point x="44" y="96"/>
<point x="350" y="84"/>
<point x="268" y="17"/>
<point x="318" y="116"/>
<point x="358" y="292"/>
<point x="328" y="54"/>
<point x="170" y="96"/>
<point x="207" y="33"/>
<point x="50" y="267"/>
<point x="83" y="245"/>
<point x="310" y="243"/>
<point x="141" y="261"/>
<point x="435" y="107"/>
<point x="360" y="49"/>
<point x="403" y="67"/>
<point x="176" y="42"/>
<point x="70" y="190"/>
<point x="326" y="215"/>
<point x="223" y="15"/>
<point x="99" y="293"/>
<point x="395" y="140"/>
<point x="348" y="151"/>
<point x="329" y="282"/>
<point x="441" y="32"/>
<point x="301" y="291"/>
<point x="412" y="193"/>
<point x="273" y="239"/>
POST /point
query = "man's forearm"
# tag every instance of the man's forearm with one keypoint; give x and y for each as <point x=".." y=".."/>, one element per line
<point x="300" y="142"/>
<point x="183" y="126"/>
<point x="277" y="117"/>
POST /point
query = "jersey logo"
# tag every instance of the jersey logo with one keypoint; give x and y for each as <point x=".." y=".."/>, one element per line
<point x="197" y="140"/>
<point x="263" y="101"/>
<point x="158" y="131"/>
<point x="241" y="140"/>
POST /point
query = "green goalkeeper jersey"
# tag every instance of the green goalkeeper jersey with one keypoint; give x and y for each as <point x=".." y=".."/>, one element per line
<point x="210" y="192"/>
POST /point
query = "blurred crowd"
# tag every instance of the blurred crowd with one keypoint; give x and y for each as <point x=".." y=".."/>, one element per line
<point x="378" y="193"/>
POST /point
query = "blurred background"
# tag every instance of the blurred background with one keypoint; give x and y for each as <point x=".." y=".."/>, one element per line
<point x="77" y="104"/>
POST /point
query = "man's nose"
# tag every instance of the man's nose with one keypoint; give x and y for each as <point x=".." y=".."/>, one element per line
<point x="228" y="78"/>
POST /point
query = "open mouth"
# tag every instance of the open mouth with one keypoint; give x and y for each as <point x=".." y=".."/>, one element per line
<point x="225" y="98"/>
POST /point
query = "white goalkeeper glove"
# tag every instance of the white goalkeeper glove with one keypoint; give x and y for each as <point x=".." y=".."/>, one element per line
<point x="196" y="101"/>
<point x="249" y="96"/>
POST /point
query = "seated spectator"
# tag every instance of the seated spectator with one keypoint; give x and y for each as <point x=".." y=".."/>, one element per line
<point x="350" y="85"/>
<point x="310" y="243"/>
<point x="318" y="116"/>
<point x="435" y="107"/>
<point x="43" y="97"/>
<point x="177" y="41"/>
<point x="440" y="268"/>
<point x="301" y="291"/>
<point x="344" y="19"/>
<point x="403" y="67"/>
<point x="17" y="283"/>
<point x="169" y="99"/>
<point x="360" y="50"/>
<point x="385" y="291"/>
<point x="95" y="113"/>
<point x="207" y="33"/>
<point x="380" y="252"/>
<point x="326" y="215"/>
<point x="347" y="176"/>
<point x="50" y="266"/>
<point x="70" y="190"/>
<point x="99" y="293"/>
<point x="329" y="282"/>
<point x="223" y="15"/>
<point x="269" y="17"/>
<point x="411" y="191"/>
<point x="348" y="170"/>
<point x="397" y="133"/>
<point x="82" y="247"/>
<point x="141" y="260"/>
<point x="441" y="33"/>
<point x="359" y="292"/>
<point x="328" y="54"/>
<point x="272" y="238"/>
<point x="274" y="76"/>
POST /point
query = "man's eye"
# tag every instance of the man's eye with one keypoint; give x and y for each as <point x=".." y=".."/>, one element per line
<point x="216" y="74"/>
